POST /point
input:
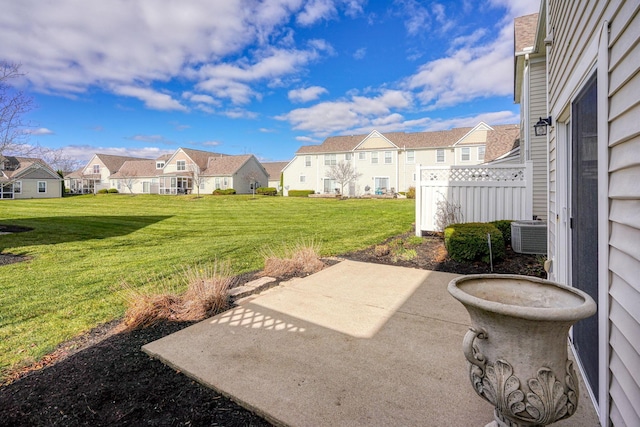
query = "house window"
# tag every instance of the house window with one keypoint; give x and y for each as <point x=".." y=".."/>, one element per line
<point x="414" y="177"/>
<point x="347" y="156"/>
<point x="466" y="154"/>
<point x="329" y="159"/>
<point x="388" y="157"/>
<point x="159" y="165"/>
<point x="42" y="186"/>
<point x="440" y="155"/>
<point x="362" y="155"/>
<point x="303" y="178"/>
<point x="146" y="187"/>
<point x="411" y="156"/>
<point x="17" y="187"/>
<point x="217" y="183"/>
<point x="374" y="157"/>
<point x="307" y="161"/>
<point x="181" y="165"/>
<point x="96" y="169"/>
<point x="481" y="152"/>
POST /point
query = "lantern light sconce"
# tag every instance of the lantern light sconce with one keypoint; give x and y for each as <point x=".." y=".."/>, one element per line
<point x="540" y="128"/>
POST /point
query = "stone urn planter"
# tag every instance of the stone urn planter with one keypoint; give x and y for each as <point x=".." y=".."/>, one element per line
<point x="517" y="345"/>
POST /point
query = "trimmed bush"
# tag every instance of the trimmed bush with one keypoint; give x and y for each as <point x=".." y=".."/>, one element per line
<point x="504" y="225"/>
<point x="411" y="193"/>
<point x="103" y="191"/>
<point x="468" y="242"/>
<point x="300" y="193"/>
<point x="113" y="190"/>
<point x="267" y="191"/>
<point x="220" y="192"/>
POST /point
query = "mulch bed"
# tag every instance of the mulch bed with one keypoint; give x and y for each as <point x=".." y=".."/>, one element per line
<point x="103" y="378"/>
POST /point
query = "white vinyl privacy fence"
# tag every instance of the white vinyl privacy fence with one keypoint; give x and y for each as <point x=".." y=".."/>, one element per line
<point x="483" y="193"/>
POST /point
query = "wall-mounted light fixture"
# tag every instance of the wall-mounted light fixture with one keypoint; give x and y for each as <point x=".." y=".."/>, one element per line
<point x="540" y="128"/>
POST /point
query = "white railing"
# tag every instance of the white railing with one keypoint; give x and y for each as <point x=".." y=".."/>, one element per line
<point x="483" y="193"/>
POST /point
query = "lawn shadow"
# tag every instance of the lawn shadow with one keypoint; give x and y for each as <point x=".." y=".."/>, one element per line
<point x="63" y="229"/>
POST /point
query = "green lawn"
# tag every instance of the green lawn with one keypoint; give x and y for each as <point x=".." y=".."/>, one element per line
<point x="83" y="248"/>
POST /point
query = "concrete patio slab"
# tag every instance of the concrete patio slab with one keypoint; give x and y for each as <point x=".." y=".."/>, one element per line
<point x="354" y="345"/>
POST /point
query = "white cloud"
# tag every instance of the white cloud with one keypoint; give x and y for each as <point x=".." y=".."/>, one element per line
<point x="306" y="94"/>
<point x="316" y="10"/>
<point x="151" y="98"/>
<point x="157" y="139"/>
<point x="85" y="152"/>
<point x="469" y="72"/>
<point x="39" y="131"/>
<point x="330" y="117"/>
<point x="232" y="81"/>
<point x="211" y="143"/>
<point x="360" y="53"/>
<point x="306" y="139"/>
<point x="417" y="17"/>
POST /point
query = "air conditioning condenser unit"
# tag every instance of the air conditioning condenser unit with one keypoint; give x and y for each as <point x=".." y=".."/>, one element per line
<point x="529" y="237"/>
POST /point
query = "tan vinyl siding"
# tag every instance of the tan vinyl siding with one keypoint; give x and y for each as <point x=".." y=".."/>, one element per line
<point x="538" y="149"/>
<point x="624" y="218"/>
<point x="576" y="26"/>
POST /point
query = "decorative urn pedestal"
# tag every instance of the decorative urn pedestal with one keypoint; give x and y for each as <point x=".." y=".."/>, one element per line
<point x="517" y="345"/>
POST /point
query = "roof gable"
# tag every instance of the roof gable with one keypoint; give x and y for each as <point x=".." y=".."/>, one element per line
<point x="375" y="140"/>
<point x="477" y="135"/>
<point x="110" y="161"/>
<point x="27" y="168"/>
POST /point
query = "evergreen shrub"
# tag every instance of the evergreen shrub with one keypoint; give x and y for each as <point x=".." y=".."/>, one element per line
<point x="468" y="242"/>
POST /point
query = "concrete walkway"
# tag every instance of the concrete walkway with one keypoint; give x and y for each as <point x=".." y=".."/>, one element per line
<point x="354" y="345"/>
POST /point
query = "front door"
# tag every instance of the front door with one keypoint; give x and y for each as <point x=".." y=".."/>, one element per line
<point x="584" y="222"/>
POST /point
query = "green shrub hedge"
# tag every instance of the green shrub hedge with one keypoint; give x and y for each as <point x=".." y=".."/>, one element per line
<point x="103" y="191"/>
<point x="468" y="242"/>
<point x="300" y="193"/>
<point x="504" y="225"/>
<point x="113" y="190"/>
<point x="267" y="191"/>
<point x="227" y="192"/>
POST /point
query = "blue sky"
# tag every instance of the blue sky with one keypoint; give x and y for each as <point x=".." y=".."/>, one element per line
<point x="145" y="77"/>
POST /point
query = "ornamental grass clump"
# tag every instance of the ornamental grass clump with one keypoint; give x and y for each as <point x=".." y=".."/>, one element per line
<point x="297" y="260"/>
<point x="195" y="293"/>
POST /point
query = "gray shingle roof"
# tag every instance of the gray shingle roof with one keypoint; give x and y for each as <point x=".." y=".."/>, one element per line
<point x="113" y="163"/>
<point x="525" y="31"/>
<point x="225" y="165"/>
<point x="274" y="169"/>
<point x="414" y="140"/>
<point x="138" y="168"/>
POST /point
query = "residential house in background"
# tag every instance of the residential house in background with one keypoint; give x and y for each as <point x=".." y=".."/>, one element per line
<point x="592" y="89"/>
<point x="94" y="176"/>
<point x="28" y="178"/>
<point x="530" y="92"/>
<point x="189" y="171"/>
<point x="387" y="162"/>
<point x="274" y="170"/>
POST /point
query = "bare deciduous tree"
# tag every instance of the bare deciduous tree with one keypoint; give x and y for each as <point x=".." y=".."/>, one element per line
<point x="343" y="173"/>
<point x="197" y="179"/>
<point x="129" y="178"/>
<point x="14" y="104"/>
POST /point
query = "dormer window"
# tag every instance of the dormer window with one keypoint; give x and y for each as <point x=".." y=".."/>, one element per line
<point x="159" y="165"/>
